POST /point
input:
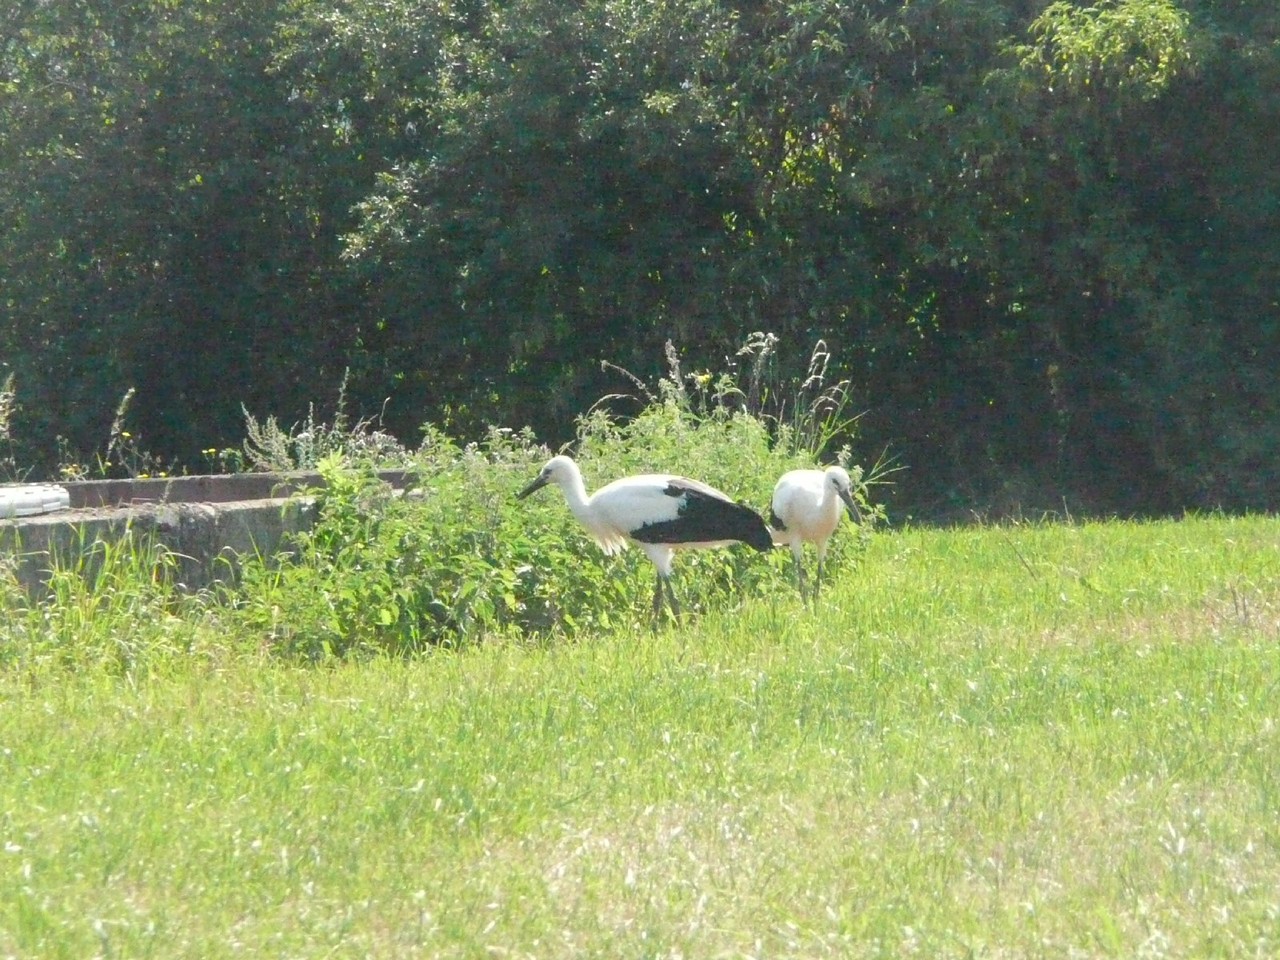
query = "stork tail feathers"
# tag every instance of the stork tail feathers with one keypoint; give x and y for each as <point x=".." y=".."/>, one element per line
<point x="709" y="520"/>
<point x="756" y="534"/>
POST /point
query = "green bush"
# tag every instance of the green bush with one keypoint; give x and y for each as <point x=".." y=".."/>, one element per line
<point x="457" y="558"/>
<point x="454" y="559"/>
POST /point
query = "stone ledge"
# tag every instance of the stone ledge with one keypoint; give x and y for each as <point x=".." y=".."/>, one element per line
<point x="210" y="488"/>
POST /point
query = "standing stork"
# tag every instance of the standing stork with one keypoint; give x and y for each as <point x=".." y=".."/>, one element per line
<point x="806" y="509"/>
<point x="662" y="513"/>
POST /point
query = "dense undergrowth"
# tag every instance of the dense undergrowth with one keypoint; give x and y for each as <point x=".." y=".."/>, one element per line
<point x="454" y="560"/>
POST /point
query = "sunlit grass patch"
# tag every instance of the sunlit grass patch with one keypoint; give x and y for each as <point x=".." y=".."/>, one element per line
<point x="964" y="750"/>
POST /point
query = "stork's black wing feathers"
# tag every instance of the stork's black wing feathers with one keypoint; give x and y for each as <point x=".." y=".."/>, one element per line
<point x="706" y="516"/>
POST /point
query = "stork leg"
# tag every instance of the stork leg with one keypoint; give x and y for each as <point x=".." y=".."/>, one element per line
<point x="797" y="557"/>
<point x="822" y="556"/>
<point x="659" y="585"/>
<point x="675" y="604"/>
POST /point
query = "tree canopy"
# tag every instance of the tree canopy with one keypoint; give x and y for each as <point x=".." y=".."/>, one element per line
<point x="1040" y="238"/>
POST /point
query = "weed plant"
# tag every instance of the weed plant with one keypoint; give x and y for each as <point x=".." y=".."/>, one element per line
<point x="125" y="454"/>
<point x="270" y="447"/>
<point x="446" y="563"/>
<point x="458" y="559"/>
<point x="8" y="464"/>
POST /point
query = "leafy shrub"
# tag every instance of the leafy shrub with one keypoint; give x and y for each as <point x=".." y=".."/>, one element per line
<point x="458" y="558"/>
<point x="455" y="558"/>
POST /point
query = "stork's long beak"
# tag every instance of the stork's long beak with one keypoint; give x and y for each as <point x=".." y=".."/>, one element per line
<point x="854" y="512"/>
<point x="541" y="481"/>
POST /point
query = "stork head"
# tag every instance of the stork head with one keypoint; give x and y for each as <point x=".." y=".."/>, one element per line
<point x="560" y="470"/>
<point x="838" y="477"/>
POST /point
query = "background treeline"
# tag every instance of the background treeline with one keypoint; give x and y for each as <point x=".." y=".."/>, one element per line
<point x="1041" y="240"/>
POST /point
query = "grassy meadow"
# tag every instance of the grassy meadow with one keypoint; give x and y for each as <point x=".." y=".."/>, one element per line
<point x="1005" y="741"/>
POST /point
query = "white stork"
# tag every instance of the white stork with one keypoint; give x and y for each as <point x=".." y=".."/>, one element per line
<point x="806" y="509"/>
<point x="660" y="512"/>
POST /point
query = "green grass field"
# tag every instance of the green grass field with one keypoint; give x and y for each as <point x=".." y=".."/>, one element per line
<point x="1016" y="741"/>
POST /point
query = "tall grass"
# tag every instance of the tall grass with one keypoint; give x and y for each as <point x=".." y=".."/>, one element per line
<point x="112" y="605"/>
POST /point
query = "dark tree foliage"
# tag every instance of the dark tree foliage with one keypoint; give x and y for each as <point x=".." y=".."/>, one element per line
<point x="1041" y="238"/>
<point x="171" y="222"/>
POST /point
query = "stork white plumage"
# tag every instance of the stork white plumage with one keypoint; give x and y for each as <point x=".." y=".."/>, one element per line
<point x="806" y="509"/>
<point x="660" y="512"/>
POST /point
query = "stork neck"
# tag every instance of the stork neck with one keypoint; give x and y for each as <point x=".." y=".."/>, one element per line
<point x="828" y="494"/>
<point x="575" y="493"/>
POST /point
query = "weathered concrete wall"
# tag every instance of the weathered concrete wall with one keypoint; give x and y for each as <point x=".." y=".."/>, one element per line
<point x="205" y="538"/>
<point x="207" y="522"/>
